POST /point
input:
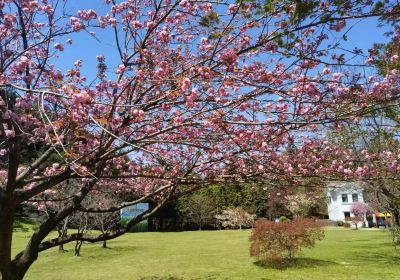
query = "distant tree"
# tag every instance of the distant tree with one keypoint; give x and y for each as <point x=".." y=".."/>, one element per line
<point x="359" y="210"/>
<point x="200" y="210"/>
<point x="80" y="221"/>
<point x="248" y="196"/>
<point x="300" y="204"/>
<point x="276" y="200"/>
<point x="82" y="224"/>
<point x="236" y="218"/>
<point x="105" y="222"/>
<point x="229" y="196"/>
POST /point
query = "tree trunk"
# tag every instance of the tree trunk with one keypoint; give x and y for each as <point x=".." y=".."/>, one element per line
<point x="396" y="218"/>
<point x="61" y="248"/>
<point x="16" y="270"/>
<point x="103" y="231"/>
<point x="78" y="246"/>
<point x="6" y="231"/>
<point x="62" y="232"/>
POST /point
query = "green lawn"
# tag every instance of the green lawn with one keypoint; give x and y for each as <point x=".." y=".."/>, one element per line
<point x="344" y="254"/>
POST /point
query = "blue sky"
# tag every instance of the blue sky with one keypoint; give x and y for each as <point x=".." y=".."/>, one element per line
<point x="364" y="33"/>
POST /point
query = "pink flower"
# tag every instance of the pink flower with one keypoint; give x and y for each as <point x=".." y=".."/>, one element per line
<point x="185" y="84"/>
<point x="49" y="9"/>
<point x="76" y="24"/>
<point x="394" y="58"/>
<point x="78" y="63"/>
<point x="87" y="14"/>
<point x="326" y="71"/>
<point x="269" y="120"/>
<point x="206" y="7"/>
<point x="59" y="47"/>
<point x="121" y="69"/>
<point x="184" y="3"/>
<point x="9" y="133"/>
<point x="100" y="58"/>
<point x="194" y="93"/>
<point x="136" y="24"/>
<point x="347" y="172"/>
<point x="339" y="25"/>
<point x="164" y="35"/>
<point x="232" y="8"/>
<point x="369" y="60"/>
<point x="229" y="58"/>
<point x="112" y="22"/>
<point x="81" y="98"/>
<point x="324" y="6"/>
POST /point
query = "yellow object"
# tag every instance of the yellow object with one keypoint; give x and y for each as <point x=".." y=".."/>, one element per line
<point x="383" y="215"/>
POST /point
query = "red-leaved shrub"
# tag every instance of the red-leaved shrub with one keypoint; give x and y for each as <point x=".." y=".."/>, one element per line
<point x="279" y="241"/>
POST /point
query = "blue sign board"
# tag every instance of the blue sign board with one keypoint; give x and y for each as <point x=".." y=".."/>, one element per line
<point x="130" y="212"/>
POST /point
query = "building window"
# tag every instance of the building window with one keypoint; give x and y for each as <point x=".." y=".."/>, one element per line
<point x="344" y="198"/>
<point x="355" y="197"/>
<point x="346" y="215"/>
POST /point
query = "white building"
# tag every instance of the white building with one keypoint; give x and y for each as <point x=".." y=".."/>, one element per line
<point x="341" y="196"/>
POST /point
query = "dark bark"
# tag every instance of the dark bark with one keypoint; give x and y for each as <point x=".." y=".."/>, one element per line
<point x="396" y="217"/>
<point x="6" y="230"/>
<point x="20" y="265"/>
<point x="10" y="269"/>
<point x="78" y="246"/>
<point x="62" y="230"/>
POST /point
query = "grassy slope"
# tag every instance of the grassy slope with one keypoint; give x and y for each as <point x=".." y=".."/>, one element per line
<point x="344" y="254"/>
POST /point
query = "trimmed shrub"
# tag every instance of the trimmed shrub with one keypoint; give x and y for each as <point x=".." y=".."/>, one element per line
<point x="325" y="223"/>
<point x="339" y="223"/>
<point x="272" y="241"/>
<point x="283" y="219"/>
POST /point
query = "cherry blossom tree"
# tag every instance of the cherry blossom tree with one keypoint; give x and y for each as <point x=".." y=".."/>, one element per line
<point x="300" y="204"/>
<point x="236" y="218"/>
<point x="359" y="210"/>
<point x="196" y="93"/>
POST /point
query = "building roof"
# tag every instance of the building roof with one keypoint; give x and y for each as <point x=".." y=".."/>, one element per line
<point x="344" y="185"/>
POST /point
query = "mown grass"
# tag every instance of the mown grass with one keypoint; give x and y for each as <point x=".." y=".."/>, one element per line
<point x="343" y="254"/>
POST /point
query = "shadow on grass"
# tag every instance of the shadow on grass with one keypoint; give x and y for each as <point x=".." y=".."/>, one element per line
<point x="295" y="263"/>
<point x="170" y="277"/>
<point x="356" y="240"/>
<point x="377" y="257"/>
<point x="161" y="278"/>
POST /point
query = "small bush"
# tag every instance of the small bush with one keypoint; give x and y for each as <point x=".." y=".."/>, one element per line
<point x="272" y="241"/>
<point x="283" y="219"/>
<point x="326" y="223"/>
<point x="346" y="225"/>
<point x="339" y="223"/>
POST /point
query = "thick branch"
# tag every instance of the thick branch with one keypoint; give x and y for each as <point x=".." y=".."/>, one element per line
<point x="35" y="164"/>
